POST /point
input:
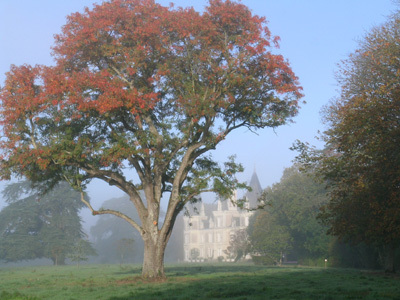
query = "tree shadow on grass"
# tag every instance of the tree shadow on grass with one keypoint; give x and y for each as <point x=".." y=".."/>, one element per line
<point x="190" y="287"/>
<point x="205" y="269"/>
<point x="220" y="282"/>
<point x="195" y="269"/>
<point x="129" y="270"/>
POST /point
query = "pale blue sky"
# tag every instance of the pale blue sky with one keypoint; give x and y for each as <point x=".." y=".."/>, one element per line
<point x="315" y="36"/>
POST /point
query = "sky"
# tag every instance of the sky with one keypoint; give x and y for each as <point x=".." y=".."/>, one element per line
<point x="315" y="36"/>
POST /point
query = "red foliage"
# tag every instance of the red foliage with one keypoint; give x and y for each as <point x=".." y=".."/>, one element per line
<point x="126" y="56"/>
<point x="141" y="86"/>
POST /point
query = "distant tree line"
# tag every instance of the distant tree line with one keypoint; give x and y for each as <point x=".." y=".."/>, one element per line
<point x="292" y="228"/>
<point x="360" y="163"/>
<point x="37" y="225"/>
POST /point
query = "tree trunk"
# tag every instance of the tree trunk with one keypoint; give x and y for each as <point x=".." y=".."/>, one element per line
<point x="153" y="261"/>
<point x="58" y="260"/>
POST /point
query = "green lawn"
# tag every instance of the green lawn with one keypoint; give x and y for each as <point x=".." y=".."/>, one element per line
<point x="221" y="281"/>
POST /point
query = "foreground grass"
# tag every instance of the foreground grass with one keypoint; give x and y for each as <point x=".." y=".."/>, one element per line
<point x="222" y="281"/>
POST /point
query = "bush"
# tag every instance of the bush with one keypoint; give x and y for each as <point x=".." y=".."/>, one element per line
<point x="262" y="260"/>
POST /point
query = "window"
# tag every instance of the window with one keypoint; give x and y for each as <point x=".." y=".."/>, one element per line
<point x="210" y="252"/>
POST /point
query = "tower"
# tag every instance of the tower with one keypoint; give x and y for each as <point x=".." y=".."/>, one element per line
<point x="256" y="191"/>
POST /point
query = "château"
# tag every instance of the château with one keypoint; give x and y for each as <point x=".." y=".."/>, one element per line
<point x="210" y="227"/>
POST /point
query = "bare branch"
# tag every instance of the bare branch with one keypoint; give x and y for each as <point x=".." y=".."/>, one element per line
<point x="111" y="212"/>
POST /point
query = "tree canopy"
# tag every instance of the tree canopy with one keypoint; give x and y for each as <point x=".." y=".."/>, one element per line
<point x="288" y="224"/>
<point x="268" y="238"/>
<point x="41" y="226"/>
<point x="239" y="245"/>
<point x="142" y="87"/>
<point x="361" y="160"/>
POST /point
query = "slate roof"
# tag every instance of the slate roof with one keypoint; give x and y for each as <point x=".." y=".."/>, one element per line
<point x="252" y="197"/>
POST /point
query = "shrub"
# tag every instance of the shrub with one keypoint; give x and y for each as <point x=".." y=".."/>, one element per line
<point x="262" y="260"/>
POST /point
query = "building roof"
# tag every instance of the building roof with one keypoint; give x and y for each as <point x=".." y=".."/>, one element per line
<point x="252" y="196"/>
<point x="256" y="191"/>
<point x="195" y="209"/>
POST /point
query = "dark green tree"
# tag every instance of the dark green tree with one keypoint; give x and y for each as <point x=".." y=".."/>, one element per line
<point x="353" y="255"/>
<point x="361" y="159"/>
<point x="33" y="225"/>
<point x="291" y="216"/>
<point x="268" y="238"/>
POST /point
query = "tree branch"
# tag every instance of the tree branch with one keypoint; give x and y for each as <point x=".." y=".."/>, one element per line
<point x="111" y="212"/>
<point x="113" y="178"/>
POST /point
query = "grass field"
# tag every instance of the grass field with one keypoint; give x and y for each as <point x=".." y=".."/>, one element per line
<point x="221" y="281"/>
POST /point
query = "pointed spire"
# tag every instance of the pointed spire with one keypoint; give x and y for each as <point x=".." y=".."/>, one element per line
<point x="256" y="190"/>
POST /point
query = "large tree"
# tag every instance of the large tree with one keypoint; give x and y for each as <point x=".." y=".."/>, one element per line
<point x="290" y="218"/>
<point x="361" y="161"/>
<point x="110" y="230"/>
<point x="268" y="238"/>
<point x="138" y="86"/>
<point x="41" y="226"/>
<point x="296" y="202"/>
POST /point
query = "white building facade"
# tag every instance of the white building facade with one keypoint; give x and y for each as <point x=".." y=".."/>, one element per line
<point x="210" y="227"/>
